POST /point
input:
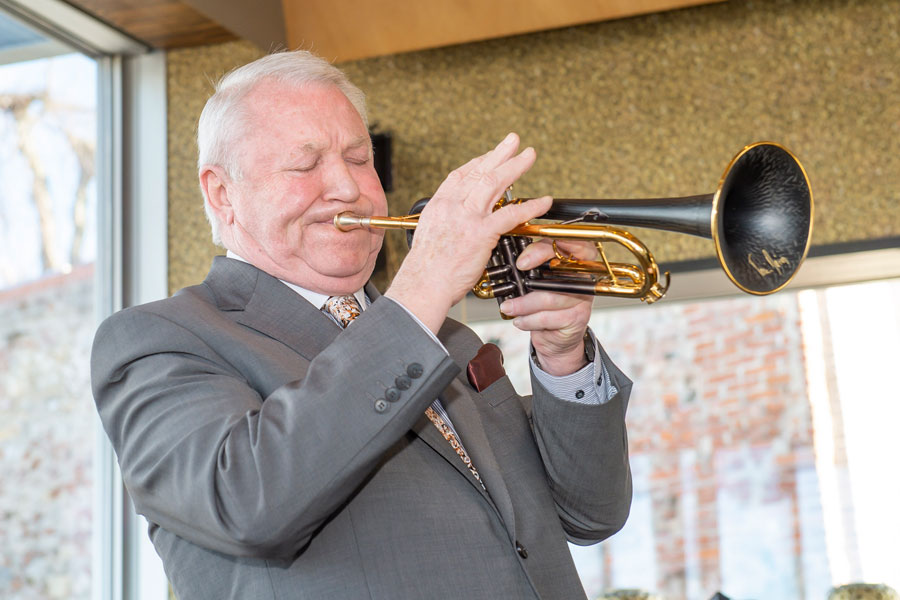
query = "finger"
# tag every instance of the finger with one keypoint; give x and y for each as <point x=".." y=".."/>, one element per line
<point x="487" y="186"/>
<point x="535" y="302"/>
<point x="539" y="252"/>
<point x="501" y="153"/>
<point x="578" y="248"/>
<point x="535" y="254"/>
<point x="564" y="321"/>
<point x="512" y="215"/>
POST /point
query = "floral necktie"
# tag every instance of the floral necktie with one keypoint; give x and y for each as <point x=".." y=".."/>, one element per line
<point x="343" y="308"/>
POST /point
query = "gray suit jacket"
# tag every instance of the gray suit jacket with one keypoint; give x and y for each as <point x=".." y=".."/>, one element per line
<point x="245" y="424"/>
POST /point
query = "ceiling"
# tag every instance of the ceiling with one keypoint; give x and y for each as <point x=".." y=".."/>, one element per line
<point x="343" y="30"/>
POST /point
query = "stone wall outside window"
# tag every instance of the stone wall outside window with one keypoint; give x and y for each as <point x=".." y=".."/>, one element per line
<point x="47" y="437"/>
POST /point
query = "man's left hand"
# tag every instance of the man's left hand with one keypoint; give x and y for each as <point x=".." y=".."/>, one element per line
<point x="557" y="321"/>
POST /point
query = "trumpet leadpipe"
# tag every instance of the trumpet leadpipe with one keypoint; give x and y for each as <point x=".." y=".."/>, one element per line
<point x="347" y="221"/>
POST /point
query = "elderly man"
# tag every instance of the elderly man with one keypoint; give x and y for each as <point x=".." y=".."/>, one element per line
<point x="289" y="432"/>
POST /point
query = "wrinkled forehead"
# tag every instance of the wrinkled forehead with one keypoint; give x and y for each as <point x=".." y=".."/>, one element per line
<point x="281" y="115"/>
<point x="271" y="98"/>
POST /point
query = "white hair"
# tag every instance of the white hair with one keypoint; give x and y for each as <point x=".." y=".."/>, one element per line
<point x="225" y="115"/>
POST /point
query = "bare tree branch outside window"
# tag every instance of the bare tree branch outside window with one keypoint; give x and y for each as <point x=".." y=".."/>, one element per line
<point x="47" y="148"/>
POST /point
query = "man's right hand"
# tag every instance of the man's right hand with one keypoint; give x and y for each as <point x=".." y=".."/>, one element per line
<point x="459" y="228"/>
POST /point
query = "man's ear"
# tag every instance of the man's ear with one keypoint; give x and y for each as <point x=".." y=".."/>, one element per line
<point x="216" y="186"/>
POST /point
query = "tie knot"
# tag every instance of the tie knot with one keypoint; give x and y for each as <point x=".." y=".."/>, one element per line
<point x="343" y="308"/>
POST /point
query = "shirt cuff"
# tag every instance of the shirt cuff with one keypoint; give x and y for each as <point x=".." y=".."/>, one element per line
<point x="588" y="385"/>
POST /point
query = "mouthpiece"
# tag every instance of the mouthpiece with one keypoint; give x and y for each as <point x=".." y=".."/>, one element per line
<point x="347" y="221"/>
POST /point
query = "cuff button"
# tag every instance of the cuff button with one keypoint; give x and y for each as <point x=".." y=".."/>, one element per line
<point x="392" y="394"/>
<point x="415" y="370"/>
<point x="381" y="406"/>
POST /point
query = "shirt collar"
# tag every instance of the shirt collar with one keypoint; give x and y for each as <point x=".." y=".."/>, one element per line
<point x="314" y="298"/>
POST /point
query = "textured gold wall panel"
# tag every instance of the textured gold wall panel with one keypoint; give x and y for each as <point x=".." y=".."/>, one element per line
<point x="643" y="107"/>
<point x="191" y="78"/>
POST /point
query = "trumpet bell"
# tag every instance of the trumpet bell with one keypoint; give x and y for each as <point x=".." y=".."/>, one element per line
<point x="761" y="218"/>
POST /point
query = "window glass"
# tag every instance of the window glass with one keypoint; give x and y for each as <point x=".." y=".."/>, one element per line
<point x="47" y="254"/>
<point x="759" y="430"/>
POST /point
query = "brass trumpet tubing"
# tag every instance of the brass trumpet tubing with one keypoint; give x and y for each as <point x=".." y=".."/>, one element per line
<point x="598" y="267"/>
<point x="573" y="231"/>
<point x="644" y="278"/>
<point x="585" y="287"/>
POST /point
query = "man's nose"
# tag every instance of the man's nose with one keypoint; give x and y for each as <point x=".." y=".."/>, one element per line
<point x="339" y="182"/>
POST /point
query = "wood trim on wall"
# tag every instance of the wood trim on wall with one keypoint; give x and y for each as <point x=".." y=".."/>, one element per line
<point x="354" y="29"/>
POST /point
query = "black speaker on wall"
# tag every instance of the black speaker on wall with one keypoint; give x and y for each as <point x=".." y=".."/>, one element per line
<point x="381" y="146"/>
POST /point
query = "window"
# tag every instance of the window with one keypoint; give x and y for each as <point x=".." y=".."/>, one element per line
<point x="48" y="203"/>
<point x="71" y="252"/>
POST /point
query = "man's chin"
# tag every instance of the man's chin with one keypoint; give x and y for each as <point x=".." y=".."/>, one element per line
<point x="347" y="279"/>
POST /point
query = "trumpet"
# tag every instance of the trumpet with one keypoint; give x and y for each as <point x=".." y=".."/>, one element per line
<point x="759" y="218"/>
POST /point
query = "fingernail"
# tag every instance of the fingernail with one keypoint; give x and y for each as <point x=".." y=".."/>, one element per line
<point x="505" y="306"/>
<point x="509" y="138"/>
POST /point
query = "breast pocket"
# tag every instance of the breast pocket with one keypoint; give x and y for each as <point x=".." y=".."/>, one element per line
<point x="499" y="392"/>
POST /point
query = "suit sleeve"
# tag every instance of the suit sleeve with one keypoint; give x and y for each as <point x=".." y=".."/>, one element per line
<point x="584" y="448"/>
<point x="204" y="456"/>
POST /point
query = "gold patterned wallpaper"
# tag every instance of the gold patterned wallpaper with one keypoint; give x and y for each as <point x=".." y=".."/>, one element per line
<point x="644" y="107"/>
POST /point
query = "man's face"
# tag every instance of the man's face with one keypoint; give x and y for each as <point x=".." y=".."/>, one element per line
<point x="305" y="155"/>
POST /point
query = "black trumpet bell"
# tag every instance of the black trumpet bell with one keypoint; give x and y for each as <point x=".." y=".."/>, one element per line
<point x="760" y="217"/>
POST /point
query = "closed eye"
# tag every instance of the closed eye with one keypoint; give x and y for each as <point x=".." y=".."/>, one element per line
<point x="305" y="168"/>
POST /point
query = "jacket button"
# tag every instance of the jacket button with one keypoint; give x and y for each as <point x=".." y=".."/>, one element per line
<point x="415" y="370"/>
<point x="381" y="406"/>
<point x="392" y="394"/>
<point x="521" y="550"/>
<point x="403" y="382"/>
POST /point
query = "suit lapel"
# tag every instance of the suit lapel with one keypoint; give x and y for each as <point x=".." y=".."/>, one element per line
<point x="460" y="405"/>
<point x="263" y="303"/>
<point x="461" y="409"/>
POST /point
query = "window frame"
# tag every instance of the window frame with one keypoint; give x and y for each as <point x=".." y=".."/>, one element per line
<point x="132" y="252"/>
<point x="132" y="268"/>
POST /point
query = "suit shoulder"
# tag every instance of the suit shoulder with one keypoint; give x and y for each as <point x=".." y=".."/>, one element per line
<point x="189" y="300"/>
<point x="139" y="328"/>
